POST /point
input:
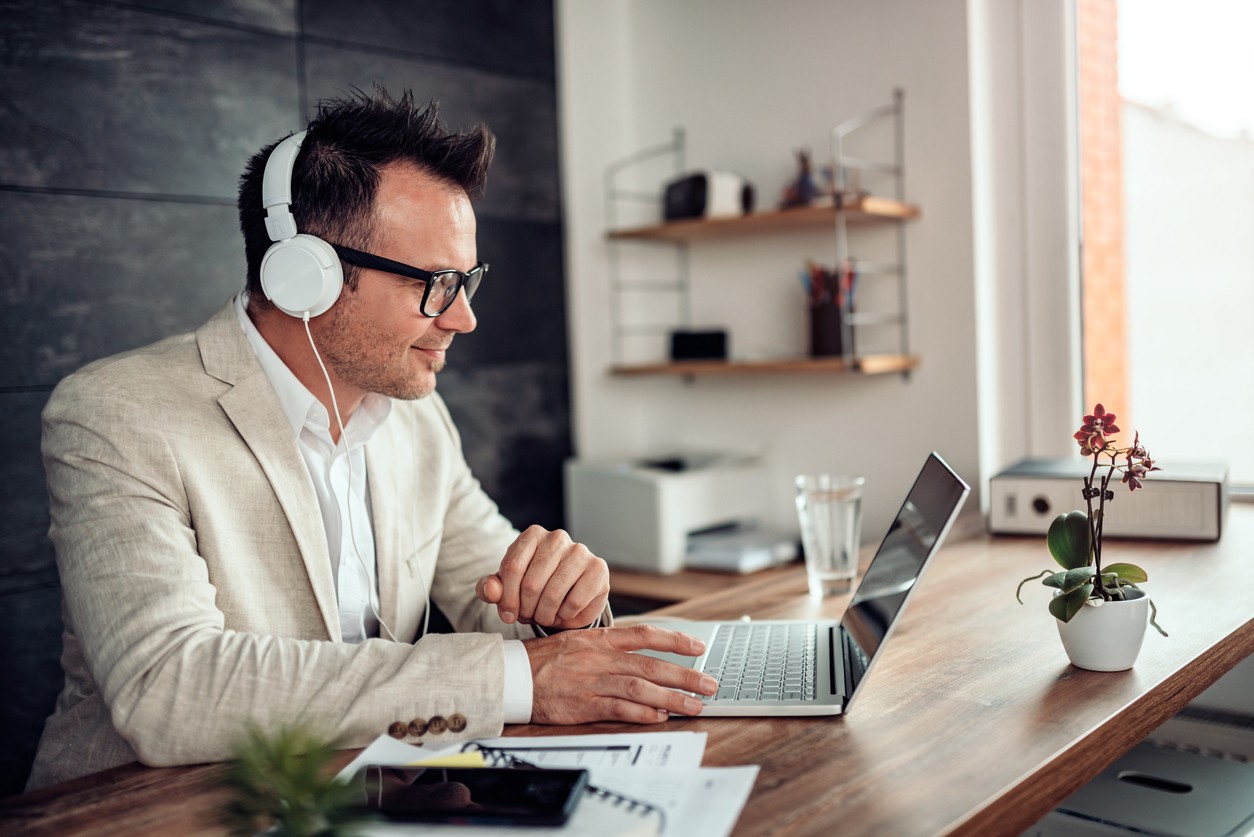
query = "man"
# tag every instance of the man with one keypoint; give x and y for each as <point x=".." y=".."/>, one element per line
<point x="249" y="520"/>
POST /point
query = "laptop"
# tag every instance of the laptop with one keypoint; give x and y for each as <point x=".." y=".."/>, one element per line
<point x="791" y="667"/>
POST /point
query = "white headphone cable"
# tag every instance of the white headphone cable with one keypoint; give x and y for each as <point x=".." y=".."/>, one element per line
<point x="351" y="529"/>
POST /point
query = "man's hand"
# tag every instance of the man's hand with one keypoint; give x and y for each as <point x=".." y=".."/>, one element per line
<point x="549" y="580"/>
<point x="585" y="676"/>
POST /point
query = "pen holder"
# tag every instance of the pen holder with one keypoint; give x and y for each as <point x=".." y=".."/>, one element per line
<point x="825" y="330"/>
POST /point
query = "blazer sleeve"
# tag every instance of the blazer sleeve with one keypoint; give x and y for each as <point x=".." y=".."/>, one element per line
<point x="149" y="639"/>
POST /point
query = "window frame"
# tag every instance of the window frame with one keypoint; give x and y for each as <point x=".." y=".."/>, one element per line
<point x="1025" y="162"/>
<point x="1028" y="230"/>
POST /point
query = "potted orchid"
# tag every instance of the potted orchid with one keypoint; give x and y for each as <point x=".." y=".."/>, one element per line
<point x="1100" y="611"/>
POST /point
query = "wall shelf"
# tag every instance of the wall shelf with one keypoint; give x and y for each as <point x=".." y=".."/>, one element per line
<point x="860" y="208"/>
<point x="878" y="325"/>
<point x="863" y="365"/>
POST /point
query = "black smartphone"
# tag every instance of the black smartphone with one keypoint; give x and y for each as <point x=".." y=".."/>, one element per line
<point x="496" y="795"/>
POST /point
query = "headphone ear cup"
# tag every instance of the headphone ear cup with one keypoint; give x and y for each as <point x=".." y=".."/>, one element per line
<point x="302" y="275"/>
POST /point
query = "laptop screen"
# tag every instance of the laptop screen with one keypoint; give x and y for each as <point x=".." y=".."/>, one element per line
<point x="915" y="534"/>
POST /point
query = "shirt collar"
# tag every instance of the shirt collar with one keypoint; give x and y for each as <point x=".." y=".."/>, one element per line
<point x="300" y="407"/>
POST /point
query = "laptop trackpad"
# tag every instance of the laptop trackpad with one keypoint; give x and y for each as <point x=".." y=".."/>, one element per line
<point x="703" y="631"/>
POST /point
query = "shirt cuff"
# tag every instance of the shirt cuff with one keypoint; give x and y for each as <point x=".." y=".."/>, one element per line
<point x="517" y="682"/>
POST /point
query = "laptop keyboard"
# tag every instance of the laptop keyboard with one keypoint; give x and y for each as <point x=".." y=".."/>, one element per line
<point x="761" y="661"/>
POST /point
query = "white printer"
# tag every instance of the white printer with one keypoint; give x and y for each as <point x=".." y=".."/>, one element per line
<point x="639" y="513"/>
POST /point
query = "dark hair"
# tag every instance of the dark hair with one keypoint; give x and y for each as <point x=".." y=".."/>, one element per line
<point x="336" y="175"/>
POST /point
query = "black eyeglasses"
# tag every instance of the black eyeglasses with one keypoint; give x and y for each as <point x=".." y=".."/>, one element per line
<point x="441" y="285"/>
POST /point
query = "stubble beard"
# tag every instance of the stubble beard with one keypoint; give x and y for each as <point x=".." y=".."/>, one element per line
<point x="356" y="359"/>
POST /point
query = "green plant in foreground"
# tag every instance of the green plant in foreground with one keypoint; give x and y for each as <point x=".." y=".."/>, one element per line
<point x="1075" y="538"/>
<point x="281" y="784"/>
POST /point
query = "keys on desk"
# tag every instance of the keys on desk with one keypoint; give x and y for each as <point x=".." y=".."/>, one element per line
<point x="760" y="661"/>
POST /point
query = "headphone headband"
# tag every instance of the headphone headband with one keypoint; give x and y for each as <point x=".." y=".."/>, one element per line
<point x="276" y="188"/>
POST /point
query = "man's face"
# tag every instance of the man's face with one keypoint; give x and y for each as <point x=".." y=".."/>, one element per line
<point x="377" y="339"/>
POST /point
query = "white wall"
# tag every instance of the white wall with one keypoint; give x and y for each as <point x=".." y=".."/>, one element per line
<point x="750" y="82"/>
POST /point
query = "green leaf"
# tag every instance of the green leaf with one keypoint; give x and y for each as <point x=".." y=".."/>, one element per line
<point x="1055" y="579"/>
<point x="1076" y="578"/>
<point x="1068" y="540"/>
<point x="1067" y="605"/>
<point x="1129" y="573"/>
<point x="1068" y="580"/>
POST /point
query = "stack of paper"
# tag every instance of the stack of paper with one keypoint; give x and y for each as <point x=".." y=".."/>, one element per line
<point x="662" y="769"/>
<point x="742" y="549"/>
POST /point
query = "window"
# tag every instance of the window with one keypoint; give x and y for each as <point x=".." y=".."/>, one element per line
<point x="1166" y="125"/>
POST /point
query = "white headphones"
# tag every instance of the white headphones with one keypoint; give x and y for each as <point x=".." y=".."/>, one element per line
<point x="301" y="274"/>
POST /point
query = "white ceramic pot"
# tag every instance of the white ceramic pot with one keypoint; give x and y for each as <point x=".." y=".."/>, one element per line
<point x="1107" y="637"/>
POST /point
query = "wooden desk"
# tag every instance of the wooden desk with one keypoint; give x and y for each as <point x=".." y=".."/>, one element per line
<point x="973" y="723"/>
<point x="633" y="591"/>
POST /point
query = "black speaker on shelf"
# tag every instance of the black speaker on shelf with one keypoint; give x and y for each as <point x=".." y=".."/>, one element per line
<point x="707" y="194"/>
<point x="710" y="344"/>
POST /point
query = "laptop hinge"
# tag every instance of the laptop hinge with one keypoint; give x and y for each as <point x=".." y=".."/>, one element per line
<point x="836" y="650"/>
<point x="846" y="654"/>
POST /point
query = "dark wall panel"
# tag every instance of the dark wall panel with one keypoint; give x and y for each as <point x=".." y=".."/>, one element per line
<point x="87" y="277"/>
<point x="102" y="98"/>
<point x="30" y="601"/>
<point x="517" y="303"/>
<point x="514" y="422"/>
<point x="26" y="556"/>
<point x="30" y="622"/>
<point x="277" y="15"/>
<point x="522" y="112"/>
<point x="499" y="34"/>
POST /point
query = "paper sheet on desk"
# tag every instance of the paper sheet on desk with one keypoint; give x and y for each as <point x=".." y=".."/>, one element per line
<point x="632" y="749"/>
<point x="392" y="753"/>
<point x="642" y="749"/>
<point x="661" y="768"/>
<point x="702" y="802"/>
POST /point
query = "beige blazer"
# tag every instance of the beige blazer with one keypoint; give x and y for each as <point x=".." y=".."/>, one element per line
<point x="198" y="594"/>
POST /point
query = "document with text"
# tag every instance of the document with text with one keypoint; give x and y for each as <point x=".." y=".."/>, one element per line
<point x="660" y="769"/>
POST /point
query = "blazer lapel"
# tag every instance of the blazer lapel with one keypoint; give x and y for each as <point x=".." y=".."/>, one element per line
<point x="254" y="409"/>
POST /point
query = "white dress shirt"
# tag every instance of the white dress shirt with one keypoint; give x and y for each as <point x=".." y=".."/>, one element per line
<point x="338" y="473"/>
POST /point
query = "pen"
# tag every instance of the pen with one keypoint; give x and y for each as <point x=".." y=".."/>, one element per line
<point x="815" y="282"/>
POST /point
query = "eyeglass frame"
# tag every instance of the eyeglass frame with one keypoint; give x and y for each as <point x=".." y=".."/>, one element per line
<point x="360" y="258"/>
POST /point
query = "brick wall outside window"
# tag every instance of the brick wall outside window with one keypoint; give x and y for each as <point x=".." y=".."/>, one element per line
<point x="1103" y="294"/>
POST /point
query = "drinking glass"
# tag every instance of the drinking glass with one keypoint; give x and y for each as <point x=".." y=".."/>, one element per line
<point x="829" y="508"/>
